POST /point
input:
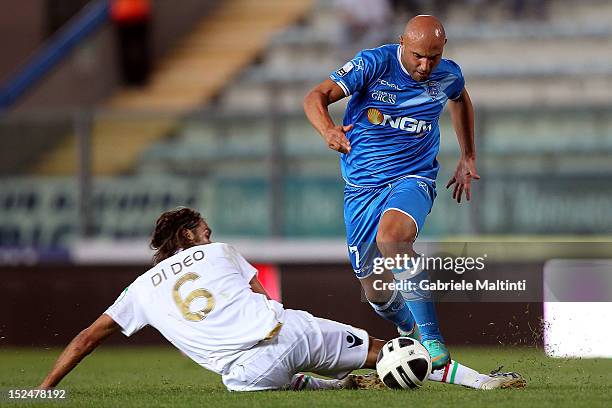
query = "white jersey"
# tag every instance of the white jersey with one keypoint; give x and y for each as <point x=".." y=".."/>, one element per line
<point x="201" y="301"/>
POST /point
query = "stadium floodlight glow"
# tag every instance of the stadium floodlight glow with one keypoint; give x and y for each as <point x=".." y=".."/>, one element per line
<point x="565" y="319"/>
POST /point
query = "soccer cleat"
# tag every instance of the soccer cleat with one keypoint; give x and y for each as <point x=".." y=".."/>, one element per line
<point x="369" y="381"/>
<point x="414" y="334"/>
<point x="438" y="352"/>
<point x="498" y="379"/>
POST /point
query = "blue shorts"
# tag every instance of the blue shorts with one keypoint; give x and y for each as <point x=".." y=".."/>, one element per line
<point x="364" y="207"/>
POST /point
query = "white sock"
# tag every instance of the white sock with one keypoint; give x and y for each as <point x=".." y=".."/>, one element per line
<point x="456" y="373"/>
<point x="301" y="382"/>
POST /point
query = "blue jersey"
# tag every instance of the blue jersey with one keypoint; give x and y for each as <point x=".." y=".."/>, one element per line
<point x="395" y="118"/>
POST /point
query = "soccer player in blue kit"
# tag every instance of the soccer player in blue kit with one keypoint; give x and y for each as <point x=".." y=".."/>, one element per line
<point x="388" y="142"/>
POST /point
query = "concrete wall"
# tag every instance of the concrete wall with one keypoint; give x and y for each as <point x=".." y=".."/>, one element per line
<point x="22" y="29"/>
<point x="83" y="79"/>
<point x="170" y="22"/>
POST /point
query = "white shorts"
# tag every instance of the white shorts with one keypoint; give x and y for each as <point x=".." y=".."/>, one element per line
<point x="304" y="343"/>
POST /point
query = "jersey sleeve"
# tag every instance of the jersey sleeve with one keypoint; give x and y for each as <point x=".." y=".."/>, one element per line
<point x="357" y="73"/>
<point x="454" y="90"/>
<point x="246" y="269"/>
<point x="126" y="313"/>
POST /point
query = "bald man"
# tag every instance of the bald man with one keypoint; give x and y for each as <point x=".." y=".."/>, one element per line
<point x="389" y="141"/>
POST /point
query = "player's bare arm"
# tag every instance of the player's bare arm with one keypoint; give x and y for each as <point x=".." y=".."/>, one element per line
<point x="462" y="116"/>
<point x="315" y="107"/>
<point x="257" y="287"/>
<point x="83" y="344"/>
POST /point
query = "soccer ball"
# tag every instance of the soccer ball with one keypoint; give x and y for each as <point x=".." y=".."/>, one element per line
<point x="403" y="363"/>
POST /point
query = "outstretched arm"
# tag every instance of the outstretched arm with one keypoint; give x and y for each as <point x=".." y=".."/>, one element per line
<point x="315" y="107"/>
<point x="462" y="116"/>
<point x="83" y="344"/>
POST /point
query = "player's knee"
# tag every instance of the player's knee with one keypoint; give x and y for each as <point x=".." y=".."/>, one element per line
<point x="396" y="227"/>
<point x="392" y="234"/>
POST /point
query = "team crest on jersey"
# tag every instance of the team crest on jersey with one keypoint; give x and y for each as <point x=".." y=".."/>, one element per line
<point x="433" y="88"/>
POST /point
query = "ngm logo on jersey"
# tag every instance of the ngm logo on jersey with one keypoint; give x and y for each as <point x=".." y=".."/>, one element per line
<point x="410" y="125"/>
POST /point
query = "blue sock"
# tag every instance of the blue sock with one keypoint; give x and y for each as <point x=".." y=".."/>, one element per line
<point x="422" y="308"/>
<point x="396" y="310"/>
<point x="424" y="312"/>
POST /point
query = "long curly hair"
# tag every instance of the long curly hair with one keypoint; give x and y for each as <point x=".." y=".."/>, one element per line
<point x="167" y="237"/>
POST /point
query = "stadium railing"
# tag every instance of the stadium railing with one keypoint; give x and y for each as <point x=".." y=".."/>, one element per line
<point x="53" y="51"/>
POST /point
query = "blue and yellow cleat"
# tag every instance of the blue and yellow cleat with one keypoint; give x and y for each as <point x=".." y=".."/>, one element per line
<point x="440" y="355"/>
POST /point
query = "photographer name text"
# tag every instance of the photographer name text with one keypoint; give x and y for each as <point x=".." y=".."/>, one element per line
<point x="457" y="286"/>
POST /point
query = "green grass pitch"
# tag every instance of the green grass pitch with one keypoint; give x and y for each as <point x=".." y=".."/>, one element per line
<point x="160" y="376"/>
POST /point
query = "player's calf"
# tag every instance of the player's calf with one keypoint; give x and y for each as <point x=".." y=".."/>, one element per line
<point x="388" y="304"/>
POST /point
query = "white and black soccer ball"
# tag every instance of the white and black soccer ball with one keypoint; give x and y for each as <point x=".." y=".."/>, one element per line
<point x="403" y="363"/>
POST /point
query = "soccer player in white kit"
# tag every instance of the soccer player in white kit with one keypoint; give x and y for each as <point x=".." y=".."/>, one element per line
<point x="206" y="300"/>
